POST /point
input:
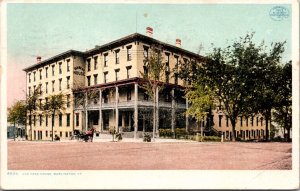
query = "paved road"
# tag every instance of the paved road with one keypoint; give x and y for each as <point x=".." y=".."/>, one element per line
<point x="144" y="156"/>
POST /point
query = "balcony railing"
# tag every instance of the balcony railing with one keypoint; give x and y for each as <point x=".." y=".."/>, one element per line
<point x="130" y="104"/>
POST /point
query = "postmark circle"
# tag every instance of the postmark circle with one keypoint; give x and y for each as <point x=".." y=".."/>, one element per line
<point x="279" y="13"/>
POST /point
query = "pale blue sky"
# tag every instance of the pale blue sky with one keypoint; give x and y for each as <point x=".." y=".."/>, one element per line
<point x="49" y="29"/>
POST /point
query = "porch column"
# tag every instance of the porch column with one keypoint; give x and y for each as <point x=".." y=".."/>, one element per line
<point x="135" y="110"/>
<point x="100" y="111"/>
<point x="173" y="111"/>
<point x="186" y="116"/>
<point x="86" y="112"/>
<point x="116" y="108"/>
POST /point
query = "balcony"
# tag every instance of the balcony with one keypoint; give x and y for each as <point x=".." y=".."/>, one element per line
<point x="129" y="104"/>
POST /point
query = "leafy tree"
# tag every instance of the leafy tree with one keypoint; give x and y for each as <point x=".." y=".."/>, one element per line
<point x="154" y="69"/>
<point x="17" y="114"/>
<point x="282" y="114"/>
<point x="31" y="107"/>
<point x="54" y="106"/>
<point x="239" y="78"/>
<point x="201" y="102"/>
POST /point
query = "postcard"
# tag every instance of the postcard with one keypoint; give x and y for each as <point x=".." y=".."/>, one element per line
<point x="149" y="94"/>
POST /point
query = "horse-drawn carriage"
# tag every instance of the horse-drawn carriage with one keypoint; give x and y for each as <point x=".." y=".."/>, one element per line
<point x="83" y="136"/>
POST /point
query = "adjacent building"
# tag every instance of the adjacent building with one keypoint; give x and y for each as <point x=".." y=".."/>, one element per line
<point x="103" y="88"/>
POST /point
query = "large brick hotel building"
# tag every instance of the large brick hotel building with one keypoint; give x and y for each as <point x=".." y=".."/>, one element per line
<point x="113" y="72"/>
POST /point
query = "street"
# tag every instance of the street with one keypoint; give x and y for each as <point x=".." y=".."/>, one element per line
<point x="148" y="156"/>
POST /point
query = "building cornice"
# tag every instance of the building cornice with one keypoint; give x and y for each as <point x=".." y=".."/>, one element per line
<point x="54" y="59"/>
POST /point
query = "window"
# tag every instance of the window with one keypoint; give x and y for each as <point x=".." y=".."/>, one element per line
<point x="256" y="121"/>
<point x="241" y="120"/>
<point x="46" y="120"/>
<point x="29" y="77"/>
<point x="40" y="103"/>
<point x="105" y="59"/>
<point x="247" y="121"/>
<point x="128" y="68"/>
<point x="34" y="76"/>
<point x="89" y="65"/>
<point x="176" y="78"/>
<point x="29" y="91"/>
<point x="105" y="77"/>
<point x="68" y="100"/>
<point x="95" y="63"/>
<point x="46" y="72"/>
<point x="68" y="120"/>
<point x="53" y="70"/>
<point x="146" y="51"/>
<point x="40" y="116"/>
<point x="68" y="82"/>
<point x="226" y="121"/>
<point x="88" y="80"/>
<point x="41" y="76"/>
<point x="252" y="121"/>
<point x="46" y="133"/>
<point x="46" y="87"/>
<point x="68" y="65"/>
<point x="95" y="79"/>
<point x="60" y="84"/>
<point x="176" y="63"/>
<point x="128" y="53"/>
<point x="167" y="60"/>
<point x="40" y="88"/>
<point x="60" y="120"/>
<point x="34" y="120"/>
<point x="60" y="134"/>
<point x="53" y="82"/>
<point x="60" y="70"/>
<point x="145" y="70"/>
<point x="146" y="96"/>
<point x="167" y="74"/>
<point x="66" y="134"/>
<point x="117" y="56"/>
<point x="77" y="119"/>
<point x="220" y="120"/>
<point x="128" y="94"/>
<point x="117" y="71"/>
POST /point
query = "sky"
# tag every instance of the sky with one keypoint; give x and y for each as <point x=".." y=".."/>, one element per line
<point x="49" y="29"/>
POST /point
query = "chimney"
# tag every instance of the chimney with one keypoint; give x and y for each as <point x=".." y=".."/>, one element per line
<point x="149" y="31"/>
<point x="178" y="42"/>
<point x="38" y="59"/>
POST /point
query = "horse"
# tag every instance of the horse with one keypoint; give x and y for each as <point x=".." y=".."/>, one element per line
<point x="89" y="135"/>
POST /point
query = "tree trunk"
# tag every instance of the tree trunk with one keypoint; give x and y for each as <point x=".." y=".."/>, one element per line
<point x="30" y="121"/>
<point x="14" y="130"/>
<point x="233" y="123"/>
<point x="52" y="124"/>
<point x="267" y="116"/>
<point x="154" y="115"/>
<point x="288" y="139"/>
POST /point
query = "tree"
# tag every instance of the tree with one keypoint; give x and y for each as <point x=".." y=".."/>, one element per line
<point x="201" y="102"/>
<point x="282" y="114"/>
<point x="17" y="114"/>
<point x="154" y="69"/>
<point x="239" y="77"/>
<point x="31" y="107"/>
<point x="56" y="103"/>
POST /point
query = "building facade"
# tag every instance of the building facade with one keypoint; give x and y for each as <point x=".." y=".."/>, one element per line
<point x="103" y="88"/>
